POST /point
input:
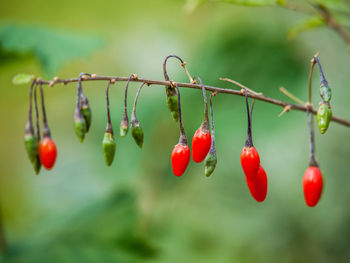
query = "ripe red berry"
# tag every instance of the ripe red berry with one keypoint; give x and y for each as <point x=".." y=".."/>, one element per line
<point x="47" y="152"/>
<point x="250" y="162"/>
<point x="201" y="143"/>
<point x="258" y="187"/>
<point x="180" y="158"/>
<point x="312" y="183"/>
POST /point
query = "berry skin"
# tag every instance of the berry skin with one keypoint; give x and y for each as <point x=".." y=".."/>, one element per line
<point x="109" y="147"/>
<point x="312" y="183"/>
<point x="47" y="152"/>
<point x="258" y="187"/>
<point x="201" y="143"/>
<point x="250" y="162"/>
<point x="324" y="116"/>
<point x="180" y="157"/>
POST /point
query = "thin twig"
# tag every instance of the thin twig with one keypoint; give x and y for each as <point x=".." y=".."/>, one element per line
<point x="291" y="96"/>
<point x="209" y="88"/>
<point x="241" y="85"/>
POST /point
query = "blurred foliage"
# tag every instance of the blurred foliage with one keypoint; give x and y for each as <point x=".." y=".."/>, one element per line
<point x="53" y="48"/>
<point x="137" y="210"/>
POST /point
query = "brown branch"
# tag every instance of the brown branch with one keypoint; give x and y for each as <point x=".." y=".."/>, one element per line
<point x="326" y="14"/>
<point x="283" y="104"/>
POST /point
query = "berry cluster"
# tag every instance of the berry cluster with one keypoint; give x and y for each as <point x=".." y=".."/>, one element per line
<point x="43" y="151"/>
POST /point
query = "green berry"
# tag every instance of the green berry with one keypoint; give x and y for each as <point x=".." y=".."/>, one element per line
<point x="324" y="116"/>
<point x="86" y="112"/>
<point x="210" y="163"/>
<point x="137" y="133"/>
<point x="108" y="146"/>
<point x="171" y="98"/>
<point x="80" y="128"/>
<point x="31" y="144"/>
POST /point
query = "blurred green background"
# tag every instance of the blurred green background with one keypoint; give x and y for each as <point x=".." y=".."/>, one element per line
<point x="137" y="210"/>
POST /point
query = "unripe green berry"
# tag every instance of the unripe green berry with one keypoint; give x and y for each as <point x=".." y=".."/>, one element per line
<point x="31" y="144"/>
<point x="86" y="112"/>
<point x="171" y="99"/>
<point x="80" y="128"/>
<point x="324" y="116"/>
<point x="210" y="163"/>
<point x="108" y="146"/>
<point x="137" y="133"/>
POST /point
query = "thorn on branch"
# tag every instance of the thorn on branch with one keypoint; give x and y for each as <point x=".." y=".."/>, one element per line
<point x="285" y="109"/>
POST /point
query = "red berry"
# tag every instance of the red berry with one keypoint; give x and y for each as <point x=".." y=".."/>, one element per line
<point x="250" y="162"/>
<point x="201" y="143"/>
<point x="312" y="183"/>
<point x="258" y="187"/>
<point x="180" y="158"/>
<point x="47" y="152"/>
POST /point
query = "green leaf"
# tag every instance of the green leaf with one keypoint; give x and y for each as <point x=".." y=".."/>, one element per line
<point x="22" y="78"/>
<point x="307" y="24"/>
<point x="255" y="2"/>
<point x="52" y="47"/>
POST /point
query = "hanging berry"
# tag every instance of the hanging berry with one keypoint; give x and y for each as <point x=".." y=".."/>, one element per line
<point x="47" y="147"/>
<point x="201" y="139"/>
<point x="124" y="125"/>
<point x="136" y="130"/>
<point x="312" y="184"/>
<point x="80" y="122"/>
<point x="250" y="159"/>
<point x="211" y="160"/>
<point x="324" y="112"/>
<point x="30" y="140"/>
<point x="108" y="143"/>
<point x="312" y="181"/>
<point x="86" y="111"/>
<point x="171" y="97"/>
<point x="324" y="116"/>
<point x="181" y="153"/>
<point x="258" y="186"/>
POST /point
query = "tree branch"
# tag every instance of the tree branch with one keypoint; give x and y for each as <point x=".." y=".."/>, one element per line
<point x="283" y="104"/>
<point x="334" y="24"/>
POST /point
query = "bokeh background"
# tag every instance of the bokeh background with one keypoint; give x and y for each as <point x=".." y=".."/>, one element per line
<point x="137" y="210"/>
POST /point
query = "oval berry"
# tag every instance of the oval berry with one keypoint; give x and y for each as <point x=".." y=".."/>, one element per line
<point x="47" y="152"/>
<point x="250" y="162"/>
<point x="312" y="183"/>
<point x="201" y="143"/>
<point x="258" y="187"/>
<point x="180" y="158"/>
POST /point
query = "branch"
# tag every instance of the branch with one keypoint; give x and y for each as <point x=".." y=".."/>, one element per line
<point x="334" y="24"/>
<point x="149" y="82"/>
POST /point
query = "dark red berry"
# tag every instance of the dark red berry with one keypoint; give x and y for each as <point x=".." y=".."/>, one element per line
<point x="201" y="143"/>
<point x="250" y="162"/>
<point x="312" y="183"/>
<point x="258" y="187"/>
<point x="47" y="152"/>
<point x="180" y="157"/>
